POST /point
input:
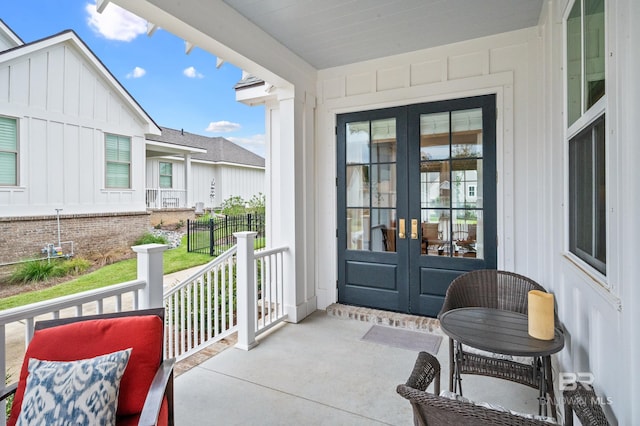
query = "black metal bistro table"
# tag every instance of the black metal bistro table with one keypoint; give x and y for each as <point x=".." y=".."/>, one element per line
<point x="507" y="333"/>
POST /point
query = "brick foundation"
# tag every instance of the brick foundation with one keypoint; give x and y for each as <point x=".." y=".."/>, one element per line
<point x="170" y="217"/>
<point x="93" y="235"/>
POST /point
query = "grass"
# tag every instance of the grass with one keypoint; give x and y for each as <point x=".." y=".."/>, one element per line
<point x="173" y="260"/>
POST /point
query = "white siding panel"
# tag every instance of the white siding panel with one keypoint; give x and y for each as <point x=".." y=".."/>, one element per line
<point x="359" y="84"/>
<point x="202" y="176"/>
<point x="73" y="163"/>
<point x="38" y="81"/>
<point x="393" y="78"/>
<point x="55" y="73"/>
<point x="238" y="181"/>
<point x="55" y="160"/>
<point x="334" y="88"/>
<point x="101" y="100"/>
<point x="470" y="65"/>
<point x="71" y="83"/>
<point x="37" y="178"/>
<point x="89" y="176"/>
<point x="4" y="85"/>
<point x="19" y="83"/>
<point x="113" y="109"/>
<point x="87" y="92"/>
<point x="426" y="72"/>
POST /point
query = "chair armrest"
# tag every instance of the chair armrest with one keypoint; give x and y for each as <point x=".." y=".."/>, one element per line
<point x="161" y="385"/>
<point x="425" y="371"/>
<point x="8" y="391"/>
<point x="585" y="403"/>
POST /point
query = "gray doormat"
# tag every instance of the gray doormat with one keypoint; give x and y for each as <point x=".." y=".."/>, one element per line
<point x="404" y="339"/>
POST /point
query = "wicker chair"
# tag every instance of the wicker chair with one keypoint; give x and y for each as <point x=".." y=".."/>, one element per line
<point x="583" y="401"/>
<point x="496" y="289"/>
<point x="431" y="409"/>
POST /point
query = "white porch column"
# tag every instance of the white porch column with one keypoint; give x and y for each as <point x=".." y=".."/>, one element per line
<point x="188" y="186"/>
<point x="150" y="270"/>
<point x="293" y="194"/>
<point x="245" y="291"/>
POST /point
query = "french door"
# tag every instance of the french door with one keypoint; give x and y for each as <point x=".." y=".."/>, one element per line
<point x="416" y="201"/>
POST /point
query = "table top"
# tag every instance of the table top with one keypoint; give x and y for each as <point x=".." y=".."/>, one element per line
<point x="498" y="331"/>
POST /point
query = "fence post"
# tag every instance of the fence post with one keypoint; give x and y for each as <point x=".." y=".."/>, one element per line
<point x="212" y="237"/>
<point x="150" y="270"/>
<point x="245" y="291"/>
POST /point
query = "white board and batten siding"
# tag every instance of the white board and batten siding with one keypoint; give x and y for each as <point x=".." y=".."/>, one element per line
<point x="64" y="104"/>
<point x="230" y="180"/>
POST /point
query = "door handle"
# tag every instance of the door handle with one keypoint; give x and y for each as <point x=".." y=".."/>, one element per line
<point x="401" y="233"/>
<point x="414" y="229"/>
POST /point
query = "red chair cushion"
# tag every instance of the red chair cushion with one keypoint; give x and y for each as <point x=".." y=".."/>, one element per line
<point x="88" y="339"/>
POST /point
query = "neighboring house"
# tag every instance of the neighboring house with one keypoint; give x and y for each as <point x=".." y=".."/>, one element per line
<point x="548" y="89"/>
<point x="217" y="167"/>
<point x="72" y="140"/>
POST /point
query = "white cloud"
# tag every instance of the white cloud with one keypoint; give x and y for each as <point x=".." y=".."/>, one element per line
<point x="255" y="143"/>
<point x="192" y="73"/>
<point x="222" y="127"/>
<point x="137" y="73"/>
<point x="115" y="23"/>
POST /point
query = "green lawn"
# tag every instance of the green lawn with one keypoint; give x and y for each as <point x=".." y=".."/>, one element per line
<point x="173" y="260"/>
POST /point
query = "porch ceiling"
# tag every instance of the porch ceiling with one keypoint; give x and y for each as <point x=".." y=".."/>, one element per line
<point x="328" y="33"/>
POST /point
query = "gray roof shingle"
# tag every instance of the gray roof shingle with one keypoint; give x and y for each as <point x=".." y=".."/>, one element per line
<point x="219" y="150"/>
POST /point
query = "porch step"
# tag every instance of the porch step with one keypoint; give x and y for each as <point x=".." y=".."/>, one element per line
<point x="379" y="317"/>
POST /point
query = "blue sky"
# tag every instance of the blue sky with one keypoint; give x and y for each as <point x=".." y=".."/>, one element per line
<point x="177" y="90"/>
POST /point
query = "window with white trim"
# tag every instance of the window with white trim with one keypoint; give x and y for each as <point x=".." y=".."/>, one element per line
<point x="118" y="161"/>
<point x="586" y="129"/>
<point x="8" y="151"/>
<point x="166" y="175"/>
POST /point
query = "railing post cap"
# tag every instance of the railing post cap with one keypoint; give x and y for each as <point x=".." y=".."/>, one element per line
<point x="245" y="234"/>
<point x="150" y="248"/>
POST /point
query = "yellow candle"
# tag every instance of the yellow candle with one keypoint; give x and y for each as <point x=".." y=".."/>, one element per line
<point x="541" y="319"/>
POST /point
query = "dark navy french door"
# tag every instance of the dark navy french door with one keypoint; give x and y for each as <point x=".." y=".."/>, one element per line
<point x="416" y="201"/>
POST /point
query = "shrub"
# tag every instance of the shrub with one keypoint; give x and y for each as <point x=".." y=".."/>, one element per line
<point x="148" y="238"/>
<point x="74" y="266"/>
<point x="233" y="206"/>
<point x="257" y="203"/>
<point x="37" y="270"/>
<point x="41" y="270"/>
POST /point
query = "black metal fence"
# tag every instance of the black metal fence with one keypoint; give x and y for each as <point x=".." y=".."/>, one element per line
<point x="214" y="235"/>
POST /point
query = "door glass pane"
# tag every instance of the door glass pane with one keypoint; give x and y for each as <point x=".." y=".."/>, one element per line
<point x="383" y="178"/>
<point x="357" y="186"/>
<point x="383" y="141"/>
<point x="466" y="135"/>
<point x="434" y="136"/>
<point x="594" y="53"/>
<point x="467" y="186"/>
<point x="435" y="183"/>
<point x="451" y="186"/>
<point x="383" y="230"/>
<point x="357" y="142"/>
<point x="357" y="229"/>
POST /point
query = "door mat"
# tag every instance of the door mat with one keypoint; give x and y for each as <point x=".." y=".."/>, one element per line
<point x="404" y="339"/>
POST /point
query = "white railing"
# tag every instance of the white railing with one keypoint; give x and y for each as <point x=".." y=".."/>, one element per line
<point x="201" y="309"/>
<point x="241" y="290"/>
<point x="161" y="198"/>
<point x="269" y="285"/>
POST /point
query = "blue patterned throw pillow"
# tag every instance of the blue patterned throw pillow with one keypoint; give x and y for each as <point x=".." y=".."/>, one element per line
<point x="83" y="392"/>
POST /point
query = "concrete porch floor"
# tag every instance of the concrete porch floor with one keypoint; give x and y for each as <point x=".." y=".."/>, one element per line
<point x="320" y="372"/>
